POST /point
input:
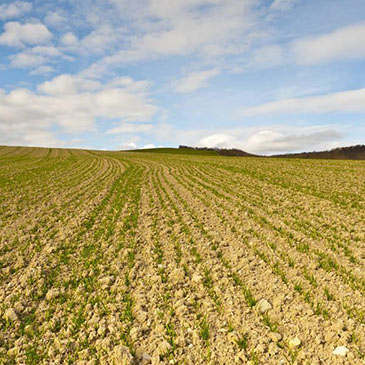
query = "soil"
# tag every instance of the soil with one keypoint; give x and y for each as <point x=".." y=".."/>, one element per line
<point x="146" y="258"/>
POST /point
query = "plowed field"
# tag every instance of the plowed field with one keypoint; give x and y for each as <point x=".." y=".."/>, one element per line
<point x="145" y="258"/>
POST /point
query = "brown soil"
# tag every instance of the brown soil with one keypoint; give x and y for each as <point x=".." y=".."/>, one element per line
<point x="138" y="258"/>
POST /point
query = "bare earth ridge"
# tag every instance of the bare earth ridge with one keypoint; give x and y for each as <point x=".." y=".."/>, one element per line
<point x="153" y="258"/>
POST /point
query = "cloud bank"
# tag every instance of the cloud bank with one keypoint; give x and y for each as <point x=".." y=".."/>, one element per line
<point x="72" y="104"/>
<point x="346" y="43"/>
<point x="195" y="81"/>
<point x="279" y="140"/>
<point x="352" y="101"/>
<point x="19" y="35"/>
<point x="14" y="9"/>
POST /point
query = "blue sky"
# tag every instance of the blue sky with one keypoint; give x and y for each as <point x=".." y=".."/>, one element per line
<point x="266" y="76"/>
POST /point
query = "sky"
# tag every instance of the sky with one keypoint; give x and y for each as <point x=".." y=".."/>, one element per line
<point x="265" y="76"/>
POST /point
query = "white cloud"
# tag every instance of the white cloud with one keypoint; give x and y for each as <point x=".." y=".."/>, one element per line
<point x="127" y="128"/>
<point x="25" y="60"/>
<point x="160" y="28"/>
<point x="55" y="18"/>
<point x="346" y="43"/>
<point x="69" y="39"/>
<point x="65" y="84"/>
<point x="195" y="81"/>
<point x="282" y="4"/>
<point x="14" y="9"/>
<point x="217" y="140"/>
<point x="41" y="138"/>
<point x="49" y="51"/>
<point x="43" y="70"/>
<point x="71" y="103"/>
<point x="148" y="145"/>
<point x="269" y="141"/>
<point x="345" y="101"/>
<point x="34" y="57"/>
<point x="100" y="39"/>
<point x="18" y="35"/>
<point x="128" y="144"/>
<point x="268" y="56"/>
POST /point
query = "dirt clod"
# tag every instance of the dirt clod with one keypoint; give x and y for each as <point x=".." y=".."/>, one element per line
<point x="263" y="306"/>
<point x="11" y="315"/>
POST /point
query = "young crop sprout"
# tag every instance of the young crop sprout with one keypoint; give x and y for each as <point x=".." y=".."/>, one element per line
<point x="242" y="341"/>
<point x="204" y="329"/>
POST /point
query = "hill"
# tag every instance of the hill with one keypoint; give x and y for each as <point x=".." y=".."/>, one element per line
<point x="178" y="151"/>
<point x="342" y="153"/>
<point x="187" y="150"/>
<point x="220" y="151"/>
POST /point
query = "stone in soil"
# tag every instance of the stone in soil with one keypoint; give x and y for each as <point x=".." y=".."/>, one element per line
<point x="263" y="306"/>
<point x="340" y="351"/>
<point x="10" y="314"/>
<point x="294" y="343"/>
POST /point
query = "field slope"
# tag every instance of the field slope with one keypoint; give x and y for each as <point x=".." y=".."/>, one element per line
<point x="153" y="258"/>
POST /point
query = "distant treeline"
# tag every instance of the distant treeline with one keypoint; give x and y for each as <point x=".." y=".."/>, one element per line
<point x="342" y="153"/>
<point x="221" y="151"/>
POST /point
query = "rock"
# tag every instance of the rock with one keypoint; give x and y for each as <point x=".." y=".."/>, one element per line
<point x="339" y="326"/>
<point x="294" y="343"/>
<point x="179" y="293"/>
<point x="180" y="310"/>
<point x="83" y="355"/>
<point x="273" y="349"/>
<point x="240" y="357"/>
<point x="142" y="316"/>
<point x="13" y="352"/>
<point x="101" y="330"/>
<point x="146" y="359"/>
<point x="196" y="278"/>
<point x="19" y="307"/>
<point x="92" y="335"/>
<point x="121" y="355"/>
<point x="51" y="352"/>
<point x="134" y="333"/>
<point x="263" y="306"/>
<point x="232" y="337"/>
<point x="10" y="314"/>
<point x="330" y="336"/>
<point x="277" y="302"/>
<point x="164" y="347"/>
<point x="105" y="344"/>
<point x="275" y="337"/>
<point x="106" y="282"/>
<point x="160" y="328"/>
<point x="319" y="340"/>
<point x="52" y="294"/>
<point x="28" y="329"/>
<point x="260" y="349"/>
<point x="177" y="275"/>
<point x="340" y="351"/>
<point x="112" y="328"/>
<point x="88" y="308"/>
